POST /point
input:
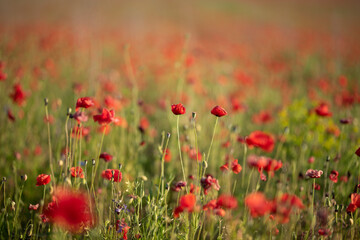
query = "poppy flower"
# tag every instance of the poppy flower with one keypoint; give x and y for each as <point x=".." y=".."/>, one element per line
<point x="283" y="206"/>
<point x="218" y="111"/>
<point x="80" y="116"/>
<point x="3" y="76"/>
<point x="226" y="201"/>
<point x="186" y="203"/>
<point x="224" y="167"/>
<point x="324" y="232"/>
<point x="42" y="179"/>
<point x="167" y="156"/>
<point x="80" y="132"/>
<point x="112" y="174"/>
<point x="178" y="186"/>
<point x="257" y="204"/>
<point x="311" y="173"/>
<point x="208" y="182"/>
<point x="262" y="140"/>
<point x="84" y="102"/>
<point x="334" y="176"/>
<point x="107" y="157"/>
<point x="106" y="117"/>
<point x="195" y="156"/>
<point x="355" y="202"/>
<point x="178" y="109"/>
<point x="262" y="118"/>
<point x="70" y="210"/>
<point x="18" y="95"/>
<point x="236" y="167"/>
<point x="77" y="172"/>
<point x="10" y="115"/>
<point x="144" y="124"/>
<point x="323" y="110"/>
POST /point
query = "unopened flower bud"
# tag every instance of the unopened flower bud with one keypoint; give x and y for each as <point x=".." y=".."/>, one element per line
<point x="46" y="101"/>
<point x="24" y="177"/>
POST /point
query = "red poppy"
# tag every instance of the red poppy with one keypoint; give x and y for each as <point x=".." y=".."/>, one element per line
<point x="178" y="109"/>
<point x="18" y="95"/>
<point x="236" y="167"/>
<point x="42" y="179"/>
<point x="80" y="116"/>
<point x="105" y="117"/>
<point x="70" y="210"/>
<point x="262" y="117"/>
<point x="80" y="132"/>
<point x="77" y="172"/>
<point x="218" y="111"/>
<point x="167" y="156"/>
<point x="262" y="140"/>
<point x="257" y="204"/>
<point x="210" y="205"/>
<point x="144" y="124"/>
<point x="112" y="174"/>
<point x="107" y="157"/>
<point x="224" y="167"/>
<point x="323" y="110"/>
<point x="311" y="173"/>
<point x="226" y="201"/>
<point x="186" y="203"/>
<point x="10" y="115"/>
<point x="208" y="182"/>
<point x="324" y="232"/>
<point x="84" y="102"/>
<point x="3" y="76"/>
<point x="178" y="186"/>
<point x="194" y="156"/>
<point x="334" y="176"/>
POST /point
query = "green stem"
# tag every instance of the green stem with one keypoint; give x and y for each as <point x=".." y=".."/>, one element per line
<point x="212" y="139"/>
<point x="181" y="160"/>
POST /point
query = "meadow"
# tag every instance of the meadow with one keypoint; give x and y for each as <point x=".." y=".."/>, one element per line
<point x="232" y="120"/>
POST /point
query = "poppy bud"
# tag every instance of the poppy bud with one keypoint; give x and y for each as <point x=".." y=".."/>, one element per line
<point x="120" y="166"/>
<point x="93" y="162"/>
<point x="193" y="115"/>
<point x="218" y="111"/>
<point x="69" y="111"/>
<point x="4" y="179"/>
<point x="24" y="177"/>
<point x="328" y="158"/>
<point x="168" y="135"/>
<point x="46" y="101"/>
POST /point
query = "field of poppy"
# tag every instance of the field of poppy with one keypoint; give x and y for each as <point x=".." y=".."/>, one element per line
<point x="221" y="120"/>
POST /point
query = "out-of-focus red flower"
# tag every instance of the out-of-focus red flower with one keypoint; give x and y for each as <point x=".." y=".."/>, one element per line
<point x="210" y="205"/>
<point x="334" y="176"/>
<point x="218" y="111"/>
<point x="355" y="202"/>
<point x="18" y="95"/>
<point x="224" y="167"/>
<point x="323" y="110"/>
<point x="311" y="159"/>
<point x="144" y="124"/>
<point x="311" y="173"/>
<point x="112" y="174"/>
<point x="50" y="119"/>
<point x="3" y="76"/>
<point x="119" y="121"/>
<point x="84" y="102"/>
<point x="42" y="179"/>
<point x="262" y="117"/>
<point x="37" y="150"/>
<point x="283" y="206"/>
<point x="80" y="132"/>
<point x="113" y="103"/>
<point x="10" y="115"/>
<point x="178" y="109"/>
<point x="107" y="157"/>
<point x="186" y="203"/>
<point x="106" y="117"/>
<point x="208" y="182"/>
<point x="236" y="167"/>
<point x="70" y="210"/>
<point x="257" y="204"/>
<point x="77" y="172"/>
<point x="80" y="116"/>
<point x="195" y="156"/>
<point x="262" y="140"/>
<point x="227" y="202"/>
<point x="324" y="232"/>
<point x="167" y="156"/>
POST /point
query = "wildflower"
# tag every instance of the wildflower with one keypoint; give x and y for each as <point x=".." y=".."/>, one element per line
<point x="195" y="155"/>
<point x="43" y="179"/>
<point x="178" y="186"/>
<point x="358" y="152"/>
<point x="355" y="202"/>
<point x="178" y="109"/>
<point x="324" y="232"/>
<point x="186" y="203"/>
<point x="80" y="116"/>
<point x="224" y="167"/>
<point x="144" y="124"/>
<point x="70" y="210"/>
<point x="257" y="204"/>
<point x="167" y="156"/>
<point x="123" y="228"/>
<point x="18" y="95"/>
<point x="80" y="132"/>
<point x="311" y="159"/>
<point x="107" y="157"/>
<point x="323" y="110"/>
<point x="10" y="115"/>
<point x="208" y="182"/>
<point x="112" y="174"/>
<point x="226" y="201"/>
<point x="77" y="172"/>
<point x="334" y="176"/>
<point x="106" y="117"/>
<point x="218" y="111"/>
<point x="84" y="102"/>
<point x="262" y="140"/>
<point x="313" y="173"/>
<point x="236" y="167"/>
<point x="262" y="118"/>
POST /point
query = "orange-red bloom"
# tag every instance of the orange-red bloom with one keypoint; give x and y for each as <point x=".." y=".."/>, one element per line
<point x="257" y="204"/>
<point x="178" y="109"/>
<point x="70" y="210"/>
<point x="112" y="174"/>
<point x="18" y="95"/>
<point x="323" y="110"/>
<point x="236" y="167"/>
<point x="334" y="176"/>
<point x="105" y="117"/>
<point x="84" y="102"/>
<point x="218" y="111"/>
<point x="107" y="157"/>
<point x="77" y="172"/>
<point x="42" y="179"/>
<point x="262" y="140"/>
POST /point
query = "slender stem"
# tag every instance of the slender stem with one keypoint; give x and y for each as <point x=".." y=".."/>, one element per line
<point x="67" y="142"/>
<point x="49" y="141"/>
<point x="162" y="180"/>
<point x="181" y="160"/>
<point x="212" y="139"/>
<point x="244" y="164"/>
<point x="97" y="161"/>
